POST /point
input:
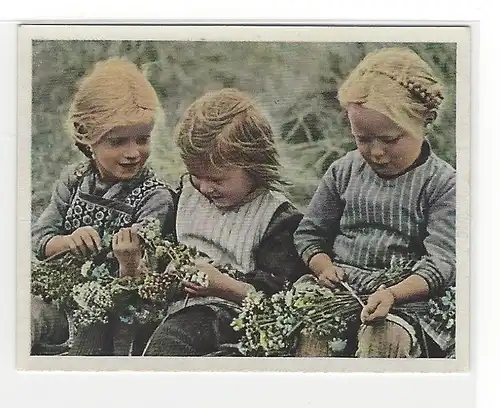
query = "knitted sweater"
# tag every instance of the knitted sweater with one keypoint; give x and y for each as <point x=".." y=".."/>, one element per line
<point x="362" y="219"/>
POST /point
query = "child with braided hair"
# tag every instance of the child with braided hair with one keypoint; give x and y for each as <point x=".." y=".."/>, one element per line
<point x="111" y="120"/>
<point x="392" y="197"/>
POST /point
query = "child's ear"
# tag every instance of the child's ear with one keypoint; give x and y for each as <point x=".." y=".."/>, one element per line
<point x="80" y="129"/>
<point x="430" y="117"/>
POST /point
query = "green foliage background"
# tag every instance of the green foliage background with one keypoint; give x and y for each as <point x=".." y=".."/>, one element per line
<point x="295" y="83"/>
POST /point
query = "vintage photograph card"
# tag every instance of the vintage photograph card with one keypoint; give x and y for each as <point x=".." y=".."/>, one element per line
<point x="243" y="198"/>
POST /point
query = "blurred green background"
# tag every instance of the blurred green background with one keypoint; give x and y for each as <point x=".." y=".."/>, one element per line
<point x="295" y="83"/>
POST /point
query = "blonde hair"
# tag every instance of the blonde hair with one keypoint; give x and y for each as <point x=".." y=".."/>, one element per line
<point x="114" y="94"/>
<point x="226" y="127"/>
<point x="396" y="82"/>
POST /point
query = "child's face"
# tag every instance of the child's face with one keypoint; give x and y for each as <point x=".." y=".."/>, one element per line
<point x="225" y="187"/>
<point x="122" y="152"/>
<point x="385" y="146"/>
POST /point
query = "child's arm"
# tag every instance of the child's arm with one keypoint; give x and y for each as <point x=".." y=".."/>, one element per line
<point x="81" y="242"/>
<point x="437" y="268"/>
<point x="381" y="302"/>
<point x="316" y="232"/>
<point x="46" y="235"/>
<point x="219" y="285"/>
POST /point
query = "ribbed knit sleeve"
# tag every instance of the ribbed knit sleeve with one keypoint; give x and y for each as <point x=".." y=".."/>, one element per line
<point x="320" y="224"/>
<point x="50" y="222"/>
<point x="438" y="266"/>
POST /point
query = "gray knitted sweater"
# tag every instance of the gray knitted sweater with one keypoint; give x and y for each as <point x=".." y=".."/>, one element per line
<point x="361" y="219"/>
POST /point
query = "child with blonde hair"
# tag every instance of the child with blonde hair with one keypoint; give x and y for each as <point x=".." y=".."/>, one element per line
<point x="111" y="119"/>
<point x="232" y="211"/>
<point x="392" y="197"/>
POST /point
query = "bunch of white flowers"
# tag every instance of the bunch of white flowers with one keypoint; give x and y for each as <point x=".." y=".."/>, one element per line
<point x="90" y="289"/>
<point x="266" y="324"/>
<point x="94" y="301"/>
<point x="271" y="325"/>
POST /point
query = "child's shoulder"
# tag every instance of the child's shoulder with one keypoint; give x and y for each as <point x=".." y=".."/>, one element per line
<point x="148" y="184"/>
<point x="441" y="170"/>
<point x="442" y="165"/>
<point x="346" y="165"/>
<point x="74" y="172"/>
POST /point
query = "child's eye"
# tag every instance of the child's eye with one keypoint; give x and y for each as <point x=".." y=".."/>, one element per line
<point x="215" y="181"/>
<point x="393" y="141"/>
<point x="142" y="140"/>
<point x="361" y="139"/>
<point x="117" y="141"/>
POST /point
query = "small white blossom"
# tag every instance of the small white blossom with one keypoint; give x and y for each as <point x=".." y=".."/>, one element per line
<point x="85" y="268"/>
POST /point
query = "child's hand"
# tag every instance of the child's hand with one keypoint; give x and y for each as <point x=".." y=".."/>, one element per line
<point x="219" y="284"/>
<point x="378" y="305"/>
<point x="127" y="251"/>
<point x="331" y="276"/>
<point x="83" y="241"/>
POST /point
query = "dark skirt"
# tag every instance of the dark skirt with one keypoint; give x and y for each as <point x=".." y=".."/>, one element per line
<point x="198" y="330"/>
<point x="49" y="328"/>
<point x="112" y="339"/>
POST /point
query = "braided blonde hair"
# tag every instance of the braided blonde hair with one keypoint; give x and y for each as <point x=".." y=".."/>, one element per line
<point x="226" y="127"/>
<point x="114" y="94"/>
<point x="396" y="82"/>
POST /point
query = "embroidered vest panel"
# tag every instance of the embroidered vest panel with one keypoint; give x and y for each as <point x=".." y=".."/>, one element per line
<point x="107" y="214"/>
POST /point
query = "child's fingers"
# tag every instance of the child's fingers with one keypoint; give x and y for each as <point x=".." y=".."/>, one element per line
<point x="364" y="315"/>
<point x="339" y="272"/>
<point x="81" y="245"/>
<point x="326" y="282"/>
<point x="123" y="236"/>
<point x="116" y="240"/>
<point x="73" y="247"/>
<point x="379" y="313"/>
<point x="195" y="292"/>
<point x="192" y="285"/>
<point x="134" y="236"/>
<point x="333" y="274"/>
<point x="370" y="307"/>
<point x="95" y="237"/>
<point x="128" y="235"/>
<point x="190" y="291"/>
<point x="88" y="240"/>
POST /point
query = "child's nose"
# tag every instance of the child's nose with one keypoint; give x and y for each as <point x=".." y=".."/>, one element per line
<point x="377" y="151"/>
<point x="206" y="187"/>
<point x="132" y="150"/>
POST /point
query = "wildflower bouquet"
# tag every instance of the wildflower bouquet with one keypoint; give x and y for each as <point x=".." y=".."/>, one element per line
<point x="442" y="312"/>
<point x="272" y="326"/>
<point x="89" y="290"/>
